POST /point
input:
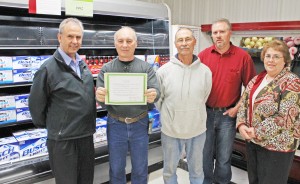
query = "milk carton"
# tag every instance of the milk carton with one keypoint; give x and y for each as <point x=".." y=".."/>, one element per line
<point x="9" y="150"/>
<point x="32" y="143"/>
<point x="7" y="102"/>
<point x="100" y="134"/>
<point x="6" y="63"/>
<point x="21" y="101"/>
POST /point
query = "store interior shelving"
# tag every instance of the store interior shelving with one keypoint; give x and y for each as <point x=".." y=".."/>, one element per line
<point x="24" y="34"/>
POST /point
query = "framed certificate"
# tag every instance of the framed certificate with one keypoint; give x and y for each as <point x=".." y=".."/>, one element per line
<point x="125" y="88"/>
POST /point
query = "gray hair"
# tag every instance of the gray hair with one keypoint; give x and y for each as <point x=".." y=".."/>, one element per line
<point x="66" y="21"/>
<point x="184" y="28"/>
<point x="225" y="21"/>
<point x="125" y="27"/>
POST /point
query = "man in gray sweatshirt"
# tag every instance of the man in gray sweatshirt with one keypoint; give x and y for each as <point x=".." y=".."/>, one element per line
<point x="185" y="84"/>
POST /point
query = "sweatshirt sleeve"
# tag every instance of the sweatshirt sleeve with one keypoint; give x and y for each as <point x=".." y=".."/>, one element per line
<point x="153" y="82"/>
<point x="161" y="98"/>
<point x="38" y="98"/>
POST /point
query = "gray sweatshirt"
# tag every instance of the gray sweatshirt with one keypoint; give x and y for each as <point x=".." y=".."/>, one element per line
<point x="184" y="91"/>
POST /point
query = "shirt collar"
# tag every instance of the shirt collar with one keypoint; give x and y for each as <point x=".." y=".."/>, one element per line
<point x="67" y="58"/>
<point x="229" y="51"/>
<point x="194" y="57"/>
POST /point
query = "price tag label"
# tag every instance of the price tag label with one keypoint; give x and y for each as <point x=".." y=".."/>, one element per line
<point x="82" y="8"/>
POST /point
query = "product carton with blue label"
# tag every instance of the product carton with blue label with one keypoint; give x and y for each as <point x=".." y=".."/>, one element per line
<point x="154" y="120"/>
<point x="23" y="114"/>
<point x="100" y="134"/>
<point x="6" y="63"/>
<point x="23" y="75"/>
<point x="6" y="76"/>
<point x="7" y="102"/>
<point x="26" y="62"/>
<point x="9" y="150"/>
<point x="21" y="100"/>
<point x="32" y="143"/>
<point x="8" y="116"/>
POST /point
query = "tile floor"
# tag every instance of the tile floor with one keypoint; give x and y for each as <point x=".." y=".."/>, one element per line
<point x="239" y="176"/>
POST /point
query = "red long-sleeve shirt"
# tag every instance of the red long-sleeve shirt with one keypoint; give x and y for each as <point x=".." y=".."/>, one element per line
<point x="230" y="71"/>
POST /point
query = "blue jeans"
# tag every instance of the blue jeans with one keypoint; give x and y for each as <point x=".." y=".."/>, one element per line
<point x="172" y="149"/>
<point x="123" y="138"/>
<point x="220" y="136"/>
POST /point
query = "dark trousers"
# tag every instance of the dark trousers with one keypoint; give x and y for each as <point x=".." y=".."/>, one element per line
<point x="267" y="167"/>
<point x="72" y="161"/>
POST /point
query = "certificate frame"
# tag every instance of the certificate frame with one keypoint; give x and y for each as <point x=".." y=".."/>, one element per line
<point x="125" y="88"/>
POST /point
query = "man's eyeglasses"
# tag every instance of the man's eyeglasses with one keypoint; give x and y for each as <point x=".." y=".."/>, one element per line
<point x="274" y="57"/>
<point x="186" y="40"/>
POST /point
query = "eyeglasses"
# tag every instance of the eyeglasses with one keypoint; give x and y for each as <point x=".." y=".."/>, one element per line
<point x="274" y="57"/>
<point x="186" y="40"/>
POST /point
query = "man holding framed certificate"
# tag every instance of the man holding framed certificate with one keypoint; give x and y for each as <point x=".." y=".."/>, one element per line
<point x="125" y="86"/>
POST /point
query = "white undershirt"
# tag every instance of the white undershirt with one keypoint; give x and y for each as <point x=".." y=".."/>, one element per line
<point x="263" y="83"/>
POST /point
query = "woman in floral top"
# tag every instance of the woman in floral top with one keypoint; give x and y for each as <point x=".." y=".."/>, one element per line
<point x="269" y="117"/>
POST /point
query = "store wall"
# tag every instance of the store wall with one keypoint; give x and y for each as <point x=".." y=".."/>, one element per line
<point x="197" y="12"/>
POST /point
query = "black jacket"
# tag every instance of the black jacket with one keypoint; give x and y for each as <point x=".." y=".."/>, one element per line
<point x="62" y="102"/>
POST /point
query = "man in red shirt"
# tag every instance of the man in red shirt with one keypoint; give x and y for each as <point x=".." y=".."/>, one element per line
<point x="231" y="68"/>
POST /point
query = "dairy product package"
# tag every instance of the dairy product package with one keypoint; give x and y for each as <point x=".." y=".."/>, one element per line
<point x="9" y="150"/>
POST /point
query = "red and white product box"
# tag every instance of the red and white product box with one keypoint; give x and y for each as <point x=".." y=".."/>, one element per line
<point x="7" y="102"/>
<point x="6" y="76"/>
<point x="8" y="116"/>
<point x="6" y="63"/>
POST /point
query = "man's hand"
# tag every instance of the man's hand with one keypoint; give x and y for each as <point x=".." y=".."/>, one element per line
<point x="151" y="95"/>
<point x="100" y="94"/>
<point x="232" y="112"/>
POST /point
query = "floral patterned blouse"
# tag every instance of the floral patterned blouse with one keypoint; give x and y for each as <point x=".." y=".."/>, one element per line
<point x="275" y="115"/>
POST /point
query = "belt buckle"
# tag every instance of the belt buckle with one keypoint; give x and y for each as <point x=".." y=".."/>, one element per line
<point x="127" y="120"/>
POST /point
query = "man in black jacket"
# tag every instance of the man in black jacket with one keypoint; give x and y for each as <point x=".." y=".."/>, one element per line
<point x="62" y="100"/>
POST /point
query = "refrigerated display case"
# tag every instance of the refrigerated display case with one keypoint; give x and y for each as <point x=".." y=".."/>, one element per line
<point x="269" y="30"/>
<point x="35" y="35"/>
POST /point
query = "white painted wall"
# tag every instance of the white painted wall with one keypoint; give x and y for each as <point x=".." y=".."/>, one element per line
<point x="197" y="12"/>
